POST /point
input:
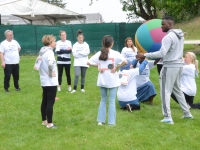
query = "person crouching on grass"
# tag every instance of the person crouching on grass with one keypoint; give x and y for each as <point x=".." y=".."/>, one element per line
<point x="107" y="61"/>
<point x="48" y="78"/>
<point x="128" y="89"/>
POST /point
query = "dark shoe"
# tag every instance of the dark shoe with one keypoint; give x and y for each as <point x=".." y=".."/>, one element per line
<point x="53" y="127"/>
<point x="6" y="90"/>
<point x="18" y="89"/>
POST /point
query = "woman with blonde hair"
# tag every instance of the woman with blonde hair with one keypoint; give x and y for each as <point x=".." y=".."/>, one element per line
<point x="129" y="51"/>
<point x="188" y="83"/>
<point x="46" y="64"/>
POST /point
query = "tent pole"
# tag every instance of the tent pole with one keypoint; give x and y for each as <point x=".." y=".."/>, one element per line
<point x="78" y="19"/>
<point x="0" y="19"/>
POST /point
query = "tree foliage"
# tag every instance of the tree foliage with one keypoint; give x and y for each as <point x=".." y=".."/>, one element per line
<point x="145" y="9"/>
<point x="181" y="9"/>
<point x="59" y="3"/>
<point x="150" y="9"/>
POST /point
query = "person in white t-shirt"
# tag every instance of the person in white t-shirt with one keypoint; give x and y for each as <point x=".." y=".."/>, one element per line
<point x="145" y="88"/>
<point x="64" y="49"/>
<point x="129" y="51"/>
<point x="9" y="51"/>
<point x="46" y="64"/>
<point x="127" y="90"/>
<point x="80" y="52"/>
<point x="108" y="61"/>
<point x="188" y="83"/>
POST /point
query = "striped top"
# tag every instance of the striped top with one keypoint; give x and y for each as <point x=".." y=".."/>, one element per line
<point x="64" y="55"/>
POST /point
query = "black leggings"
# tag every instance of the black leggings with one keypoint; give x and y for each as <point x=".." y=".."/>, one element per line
<point x="48" y="100"/>
<point x="67" y="73"/>
<point x="189" y="100"/>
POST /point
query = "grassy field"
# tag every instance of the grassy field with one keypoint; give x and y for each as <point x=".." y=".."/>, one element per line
<point x="76" y="114"/>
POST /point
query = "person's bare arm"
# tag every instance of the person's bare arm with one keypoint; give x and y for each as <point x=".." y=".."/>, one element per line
<point x="19" y="49"/>
<point x="119" y="66"/>
<point x="3" y="65"/>
<point x="91" y="64"/>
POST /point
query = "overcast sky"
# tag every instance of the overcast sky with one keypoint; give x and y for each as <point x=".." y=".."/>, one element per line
<point x="111" y="10"/>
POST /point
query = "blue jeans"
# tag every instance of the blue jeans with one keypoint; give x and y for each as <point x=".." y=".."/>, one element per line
<point x="133" y="102"/>
<point x="111" y="109"/>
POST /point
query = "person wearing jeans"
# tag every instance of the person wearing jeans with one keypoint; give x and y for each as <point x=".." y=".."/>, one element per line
<point x="9" y="51"/>
<point x="80" y="52"/>
<point x="107" y="61"/>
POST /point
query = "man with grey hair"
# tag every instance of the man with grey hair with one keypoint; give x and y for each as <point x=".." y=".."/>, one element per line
<point x="9" y="52"/>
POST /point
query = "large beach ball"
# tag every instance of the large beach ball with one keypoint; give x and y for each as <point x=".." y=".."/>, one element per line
<point x="149" y="35"/>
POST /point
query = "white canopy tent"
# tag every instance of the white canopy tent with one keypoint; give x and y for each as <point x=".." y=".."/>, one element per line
<point x="38" y="12"/>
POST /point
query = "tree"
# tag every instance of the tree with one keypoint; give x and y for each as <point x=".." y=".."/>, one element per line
<point x="145" y="9"/>
<point x="59" y="3"/>
<point x="181" y="9"/>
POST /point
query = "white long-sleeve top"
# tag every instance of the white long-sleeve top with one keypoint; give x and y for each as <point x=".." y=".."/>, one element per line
<point x="48" y="68"/>
<point x="188" y="83"/>
<point x="80" y="53"/>
<point x="128" y="53"/>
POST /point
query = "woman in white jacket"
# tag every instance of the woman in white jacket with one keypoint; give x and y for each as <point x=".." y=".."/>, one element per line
<point x="48" y="78"/>
<point x="80" y="52"/>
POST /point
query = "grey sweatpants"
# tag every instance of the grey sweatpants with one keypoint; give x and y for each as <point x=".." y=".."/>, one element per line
<point x="170" y="82"/>
<point x="77" y="71"/>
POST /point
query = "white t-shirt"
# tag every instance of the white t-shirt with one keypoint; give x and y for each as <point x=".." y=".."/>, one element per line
<point x="45" y="79"/>
<point x="128" y="53"/>
<point x="80" y="53"/>
<point x="10" y="51"/>
<point x="188" y="83"/>
<point x="63" y="45"/>
<point x="107" y="79"/>
<point x="144" y="76"/>
<point x="128" y="92"/>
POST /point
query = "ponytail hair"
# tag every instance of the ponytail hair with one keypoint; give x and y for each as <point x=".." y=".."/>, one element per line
<point x="107" y="42"/>
<point x="79" y="32"/>
<point x="194" y="60"/>
<point x="132" y="46"/>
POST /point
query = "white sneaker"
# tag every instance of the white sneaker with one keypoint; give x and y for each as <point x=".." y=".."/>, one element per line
<point x="128" y="107"/>
<point x="69" y="89"/>
<point x="59" y="89"/>
<point x="189" y="116"/>
<point x="100" y="123"/>
<point x="169" y="121"/>
<point x="73" y="91"/>
<point x="82" y="90"/>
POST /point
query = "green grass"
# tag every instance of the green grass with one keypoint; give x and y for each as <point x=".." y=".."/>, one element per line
<point x="75" y="114"/>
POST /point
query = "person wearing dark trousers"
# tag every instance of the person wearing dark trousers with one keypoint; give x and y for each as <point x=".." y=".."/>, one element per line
<point x="64" y="49"/>
<point x="46" y="64"/>
<point x="80" y="52"/>
<point x="9" y="52"/>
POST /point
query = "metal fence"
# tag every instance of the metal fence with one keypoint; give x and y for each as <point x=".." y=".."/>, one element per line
<point x="29" y="36"/>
